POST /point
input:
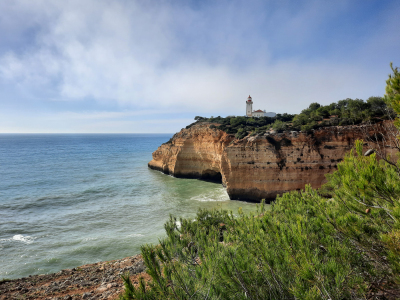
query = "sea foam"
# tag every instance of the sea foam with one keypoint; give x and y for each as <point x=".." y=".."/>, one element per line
<point x="20" y="238"/>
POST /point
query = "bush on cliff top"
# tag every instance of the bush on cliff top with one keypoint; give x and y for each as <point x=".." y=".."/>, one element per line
<point x="304" y="247"/>
<point x="344" y="112"/>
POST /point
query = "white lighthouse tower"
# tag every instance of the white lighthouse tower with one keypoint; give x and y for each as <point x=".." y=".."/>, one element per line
<point x="249" y="106"/>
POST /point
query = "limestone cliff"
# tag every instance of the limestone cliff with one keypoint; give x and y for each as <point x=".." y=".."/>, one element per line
<point x="259" y="167"/>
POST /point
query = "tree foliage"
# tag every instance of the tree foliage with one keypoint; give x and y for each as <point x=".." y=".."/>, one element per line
<point x="304" y="246"/>
<point x="392" y="96"/>
<point x="344" y="112"/>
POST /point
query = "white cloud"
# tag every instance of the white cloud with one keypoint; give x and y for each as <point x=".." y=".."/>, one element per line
<point x="168" y="57"/>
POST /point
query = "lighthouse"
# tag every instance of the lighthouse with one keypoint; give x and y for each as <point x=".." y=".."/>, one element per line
<point x="249" y="106"/>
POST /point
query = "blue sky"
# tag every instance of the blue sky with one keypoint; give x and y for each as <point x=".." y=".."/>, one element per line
<point x="152" y="66"/>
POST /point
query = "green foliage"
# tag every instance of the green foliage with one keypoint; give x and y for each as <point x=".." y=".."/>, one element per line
<point x="308" y="127"/>
<point x="241" y="133"/>
<point x="344" y="112"/>
<point x="242" y="126"/>
<point x="305" y="247"/>
<point x="279" y="126"/>
<point x="368" y="192"/>
<point x="377" y="106"/>
<point x="238" y="121"/>
<point x="392" y="96"/>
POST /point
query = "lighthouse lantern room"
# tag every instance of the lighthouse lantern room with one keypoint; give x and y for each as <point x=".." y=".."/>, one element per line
<point x="249" y="106"/>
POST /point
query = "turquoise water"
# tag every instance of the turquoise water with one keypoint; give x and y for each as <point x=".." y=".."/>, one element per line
<point x="68" y="200"/>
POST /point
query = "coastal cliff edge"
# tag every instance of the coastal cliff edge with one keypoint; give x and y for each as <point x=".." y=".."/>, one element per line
<point x="259" y="167"/>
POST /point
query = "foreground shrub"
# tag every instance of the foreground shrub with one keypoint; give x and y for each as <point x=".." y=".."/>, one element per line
<point x="304" y="247"/>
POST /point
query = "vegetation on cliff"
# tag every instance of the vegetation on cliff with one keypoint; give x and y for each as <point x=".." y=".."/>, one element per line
<point x="304" y="247"/>
<point x="344" y="112"/>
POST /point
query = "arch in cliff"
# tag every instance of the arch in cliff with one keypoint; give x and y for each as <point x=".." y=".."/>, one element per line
<point x="211" y="175"/>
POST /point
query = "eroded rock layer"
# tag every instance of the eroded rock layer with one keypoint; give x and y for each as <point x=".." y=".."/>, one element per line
<point x="259" y="167"/>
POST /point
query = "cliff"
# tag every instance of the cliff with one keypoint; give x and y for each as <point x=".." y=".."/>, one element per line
<point x="259" y="167"/>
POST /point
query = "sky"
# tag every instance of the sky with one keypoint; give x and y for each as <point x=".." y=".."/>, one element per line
<point x="146" y="66"/>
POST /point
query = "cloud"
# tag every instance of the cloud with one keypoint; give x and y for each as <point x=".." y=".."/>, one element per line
<point x="193" y="57"/>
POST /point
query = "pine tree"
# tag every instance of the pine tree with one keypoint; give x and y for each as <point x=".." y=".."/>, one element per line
<point x="392" y="96"/>
<point x="304" y="246"/>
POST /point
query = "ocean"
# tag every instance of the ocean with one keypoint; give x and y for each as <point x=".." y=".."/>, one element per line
<point x="71" y="199"/>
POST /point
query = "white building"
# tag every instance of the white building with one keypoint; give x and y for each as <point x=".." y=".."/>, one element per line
<point x="256" y="113"/>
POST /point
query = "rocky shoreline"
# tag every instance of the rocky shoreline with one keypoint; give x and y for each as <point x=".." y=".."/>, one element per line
<point x="100" y="280"/>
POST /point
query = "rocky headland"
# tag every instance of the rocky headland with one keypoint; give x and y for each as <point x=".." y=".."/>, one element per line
<point x="262" y="166"/>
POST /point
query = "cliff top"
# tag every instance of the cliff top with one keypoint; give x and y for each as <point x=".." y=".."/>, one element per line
<point x="344" y="112"/>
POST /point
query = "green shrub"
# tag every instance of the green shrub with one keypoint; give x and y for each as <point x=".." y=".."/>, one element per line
<point x="279" y="126"/>
<point x="241" y="133"/>
<point x="344" y="112"/>
<point x="305" y="247"/>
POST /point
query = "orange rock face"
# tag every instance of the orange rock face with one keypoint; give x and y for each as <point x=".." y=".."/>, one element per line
<point x="259" y="167"/>
<point x="194" y="153"/>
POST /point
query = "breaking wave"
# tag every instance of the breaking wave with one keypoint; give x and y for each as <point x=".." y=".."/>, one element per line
<point x="20" y="238"/>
